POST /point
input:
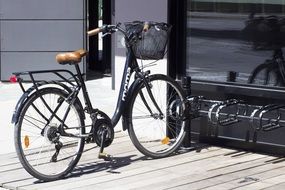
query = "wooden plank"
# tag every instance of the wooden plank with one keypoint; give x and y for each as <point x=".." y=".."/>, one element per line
<point x="164" y="181"/>
<point x="247" y="177"/>
<point x="203" y="177"/>
<point x="266" y="183"/>
<point x="9" y="176"/>
<point x="211" y="168"/>
<point x="12" y="165"/>
<point x="127" y="169"/>
<point x="11" y="162"/>
<point x="8" y="159"/>
<point x="277" y="186"/>
<point x="146" y="168"/>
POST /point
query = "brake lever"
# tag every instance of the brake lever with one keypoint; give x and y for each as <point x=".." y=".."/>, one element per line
<point x="107" y="33"/>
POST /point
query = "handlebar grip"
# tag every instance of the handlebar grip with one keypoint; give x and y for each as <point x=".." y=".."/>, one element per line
<point x="94" y="32"/>
<point x="146" y="27"/>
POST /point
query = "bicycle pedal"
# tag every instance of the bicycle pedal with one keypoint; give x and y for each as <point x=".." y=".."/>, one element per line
<point x="105" y="156"/>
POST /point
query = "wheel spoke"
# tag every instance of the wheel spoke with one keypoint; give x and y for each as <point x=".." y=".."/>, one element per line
<point x="157" y="134"/>
<point x="38" y="139"/>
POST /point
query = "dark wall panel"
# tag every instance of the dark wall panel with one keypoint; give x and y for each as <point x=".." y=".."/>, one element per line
<point x="32" y="30"/>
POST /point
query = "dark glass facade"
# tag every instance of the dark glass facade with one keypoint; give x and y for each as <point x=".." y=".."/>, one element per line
<point x="217" y="47"/>
<point x="225" y="62"/>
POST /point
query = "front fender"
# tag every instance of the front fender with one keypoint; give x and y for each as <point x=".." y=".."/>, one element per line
<point x="135" y="84"/>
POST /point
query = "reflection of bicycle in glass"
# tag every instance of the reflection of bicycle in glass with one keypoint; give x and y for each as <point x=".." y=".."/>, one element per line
<point x="50" y="130"/>
<point x="267" y="33"/>
<point x="271" y="72"/>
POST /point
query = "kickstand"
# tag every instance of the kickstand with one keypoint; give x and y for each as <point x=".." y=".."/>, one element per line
<point x="101" y="154"/>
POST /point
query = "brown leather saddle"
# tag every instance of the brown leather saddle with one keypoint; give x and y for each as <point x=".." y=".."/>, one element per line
<point x="71" y="58"/>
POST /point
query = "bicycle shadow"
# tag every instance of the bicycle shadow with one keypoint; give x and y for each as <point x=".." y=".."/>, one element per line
<point x="115" y="163"/>
<point x="110" y="166"/>
<point x="100" y="166"/>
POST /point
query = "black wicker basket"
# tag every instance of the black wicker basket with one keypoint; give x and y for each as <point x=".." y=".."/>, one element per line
<point x="152" y="43"/>
<point x="264" y="32"/>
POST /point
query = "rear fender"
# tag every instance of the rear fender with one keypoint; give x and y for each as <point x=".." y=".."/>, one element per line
<point x="25" y="96"/>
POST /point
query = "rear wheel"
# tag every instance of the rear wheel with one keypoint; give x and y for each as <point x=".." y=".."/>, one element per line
<point x="157" y="130"/>
<point x="42" y="150"/>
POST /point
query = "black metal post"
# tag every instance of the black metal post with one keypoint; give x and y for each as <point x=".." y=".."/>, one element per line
<point x="93" y="57"/>
<point x="186" y="85"/>
<point x="232" y="75"/>
<point x="177" y="17"/>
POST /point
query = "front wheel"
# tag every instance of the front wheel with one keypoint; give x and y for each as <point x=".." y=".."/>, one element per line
<point x="266" y="74"/>
<point x="156" y="124"/>
<point x="42" y="150"/>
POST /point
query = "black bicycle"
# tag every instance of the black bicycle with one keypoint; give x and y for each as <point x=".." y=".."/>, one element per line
<point x="50" y="130"/>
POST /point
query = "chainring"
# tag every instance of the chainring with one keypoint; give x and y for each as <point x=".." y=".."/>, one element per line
<point x="100" y="126"/>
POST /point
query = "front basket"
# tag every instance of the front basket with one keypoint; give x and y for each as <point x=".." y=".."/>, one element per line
<point x="152" y="43"/>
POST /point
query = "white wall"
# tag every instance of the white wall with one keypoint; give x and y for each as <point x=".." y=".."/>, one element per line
<point x="131" y="10"/>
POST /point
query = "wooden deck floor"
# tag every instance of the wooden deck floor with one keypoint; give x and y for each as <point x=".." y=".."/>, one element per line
<point x="204" y="168"/>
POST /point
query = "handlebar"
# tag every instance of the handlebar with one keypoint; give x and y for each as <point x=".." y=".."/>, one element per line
<point x="146" y="26"/>
<point x="94" y="32"/>
<point x="108" y="29"/>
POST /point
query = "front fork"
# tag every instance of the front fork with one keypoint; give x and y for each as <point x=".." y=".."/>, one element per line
<point x="145" y="78"/>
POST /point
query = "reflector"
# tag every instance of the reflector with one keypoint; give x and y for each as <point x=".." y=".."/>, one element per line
<point x="165" y="140"/>
<point x="27" y="141"/>
<point x="13" y="79"/>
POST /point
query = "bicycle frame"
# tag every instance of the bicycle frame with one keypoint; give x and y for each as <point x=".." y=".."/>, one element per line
<point x="131" y="66"/>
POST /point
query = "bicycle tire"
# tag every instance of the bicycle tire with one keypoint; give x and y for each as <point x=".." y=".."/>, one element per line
<point x="153" y="135"/>
<point x="266" y="74"/>
<point x="37" y="140"/>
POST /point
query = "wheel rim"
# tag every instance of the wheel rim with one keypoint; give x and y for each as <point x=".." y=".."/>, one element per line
<point x="37" y="141"/>
<point x="158" y="134"/>
<point x="266" y="76"/>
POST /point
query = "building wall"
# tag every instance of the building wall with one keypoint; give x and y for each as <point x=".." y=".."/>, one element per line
<point x="32" y="32"/>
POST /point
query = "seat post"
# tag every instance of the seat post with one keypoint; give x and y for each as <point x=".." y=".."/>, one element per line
<point x="79" y="75"/>
<point x="89" y="107"/>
